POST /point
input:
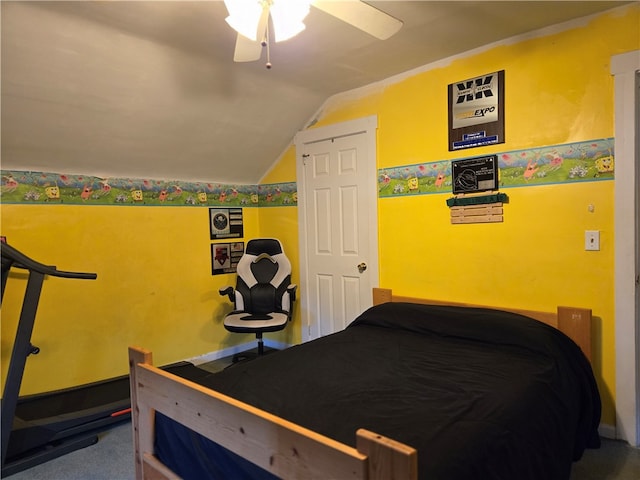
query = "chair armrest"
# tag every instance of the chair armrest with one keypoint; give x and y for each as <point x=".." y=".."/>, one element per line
<point x="228" y="291"/>
<point x="292" y="291"/>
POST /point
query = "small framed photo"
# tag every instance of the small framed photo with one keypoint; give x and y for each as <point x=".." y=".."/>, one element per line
<point x="225" y="257"/>
<point x="225" y="223"/>
<point x="473" y="175"/>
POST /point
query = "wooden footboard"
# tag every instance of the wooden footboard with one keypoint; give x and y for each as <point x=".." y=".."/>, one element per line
<point x="572" y="321"/>
<point x="280" y="447"/>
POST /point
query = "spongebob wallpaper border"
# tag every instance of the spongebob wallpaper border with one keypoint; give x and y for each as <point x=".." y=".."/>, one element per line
<point x="591" y="160"/>
<point x="54" y="188"/>
<point x="585" y="161"/>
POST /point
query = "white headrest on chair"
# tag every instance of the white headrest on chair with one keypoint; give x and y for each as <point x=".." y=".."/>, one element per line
<point x="244" y="268"/>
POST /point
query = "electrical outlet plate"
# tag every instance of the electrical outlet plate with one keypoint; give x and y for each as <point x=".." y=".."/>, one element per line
<point x="592" y="240"/>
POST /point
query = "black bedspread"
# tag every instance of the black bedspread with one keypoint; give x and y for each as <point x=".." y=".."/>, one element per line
<point x="480" y="393"/>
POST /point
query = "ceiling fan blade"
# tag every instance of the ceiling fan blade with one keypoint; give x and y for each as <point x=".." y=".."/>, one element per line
<point x="363" y="16"/>
<point x="248" y="50"/>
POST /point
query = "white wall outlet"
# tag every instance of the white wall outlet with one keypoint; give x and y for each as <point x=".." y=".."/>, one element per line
<point x="592" y="239"/>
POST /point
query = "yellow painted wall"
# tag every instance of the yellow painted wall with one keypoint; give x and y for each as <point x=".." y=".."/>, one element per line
<point x="558" y="89"/>
<point x="154" y="289"/>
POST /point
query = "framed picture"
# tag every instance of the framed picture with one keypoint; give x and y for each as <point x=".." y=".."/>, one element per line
<point x="475" y="174"/>
<point x="476" y="111"/>
<point x="225" y="257"/>
<point x="225" y="223"/>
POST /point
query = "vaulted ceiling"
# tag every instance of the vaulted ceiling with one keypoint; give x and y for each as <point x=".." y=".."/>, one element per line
<point x="150" y="89"/>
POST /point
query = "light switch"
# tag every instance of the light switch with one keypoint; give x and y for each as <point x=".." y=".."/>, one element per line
<point x="592" y="239"/>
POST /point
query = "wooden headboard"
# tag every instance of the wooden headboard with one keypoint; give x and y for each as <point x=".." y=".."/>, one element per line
<point x="574" y="322"/>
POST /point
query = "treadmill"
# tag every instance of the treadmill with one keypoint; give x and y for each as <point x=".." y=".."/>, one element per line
<point x="39" y="428"/>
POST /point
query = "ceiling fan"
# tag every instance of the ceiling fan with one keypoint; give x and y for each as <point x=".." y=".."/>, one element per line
<point x="250" y="18"/>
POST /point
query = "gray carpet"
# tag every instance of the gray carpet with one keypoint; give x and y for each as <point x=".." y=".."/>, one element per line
<point x="614" y="460"/>
<point x="109" y="459"/>
<point x="112" y="459"/>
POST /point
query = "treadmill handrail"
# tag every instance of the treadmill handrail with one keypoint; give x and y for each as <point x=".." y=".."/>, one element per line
<point x="22" y="346"/>
<point x="20" y="260"/>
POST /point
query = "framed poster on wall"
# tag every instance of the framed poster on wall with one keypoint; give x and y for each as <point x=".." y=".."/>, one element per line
<point x="225" y="257"/>
<point x="225" y="223"/>
<point x="474" y="175"/>
<point x="476" y="111"/>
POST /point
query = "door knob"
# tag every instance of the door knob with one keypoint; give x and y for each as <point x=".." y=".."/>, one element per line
<point x="362" y="267"/>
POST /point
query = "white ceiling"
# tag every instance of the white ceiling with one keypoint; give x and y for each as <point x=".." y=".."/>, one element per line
<point x="149" y="88"/>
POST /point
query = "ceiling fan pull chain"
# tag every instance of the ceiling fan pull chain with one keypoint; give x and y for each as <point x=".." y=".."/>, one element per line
<point x="265" y="43"/>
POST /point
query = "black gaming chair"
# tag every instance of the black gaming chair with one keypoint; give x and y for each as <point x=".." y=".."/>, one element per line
<point x="263" y="297"/>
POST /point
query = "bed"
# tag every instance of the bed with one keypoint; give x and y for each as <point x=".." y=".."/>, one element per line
<point x="411" y="389"/>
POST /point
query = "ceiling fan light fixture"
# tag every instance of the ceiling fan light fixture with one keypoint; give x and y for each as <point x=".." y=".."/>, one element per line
<point x="287" y="17"/>
<point x="244" y="16"/>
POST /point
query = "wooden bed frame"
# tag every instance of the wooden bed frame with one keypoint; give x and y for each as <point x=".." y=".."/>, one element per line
<point x="283" y="448"/>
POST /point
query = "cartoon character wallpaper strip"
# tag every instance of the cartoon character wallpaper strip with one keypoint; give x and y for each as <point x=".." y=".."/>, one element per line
<point x="63" y="189"/>
<point x="584" y="161"/>
<point x="588" y="161"/>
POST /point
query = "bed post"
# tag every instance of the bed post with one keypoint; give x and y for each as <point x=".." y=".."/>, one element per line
<point x="386" y="458"/>
<point x="576" y="324"/>
<point x="381" y="295"/>
<point x="142" y="418"/>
